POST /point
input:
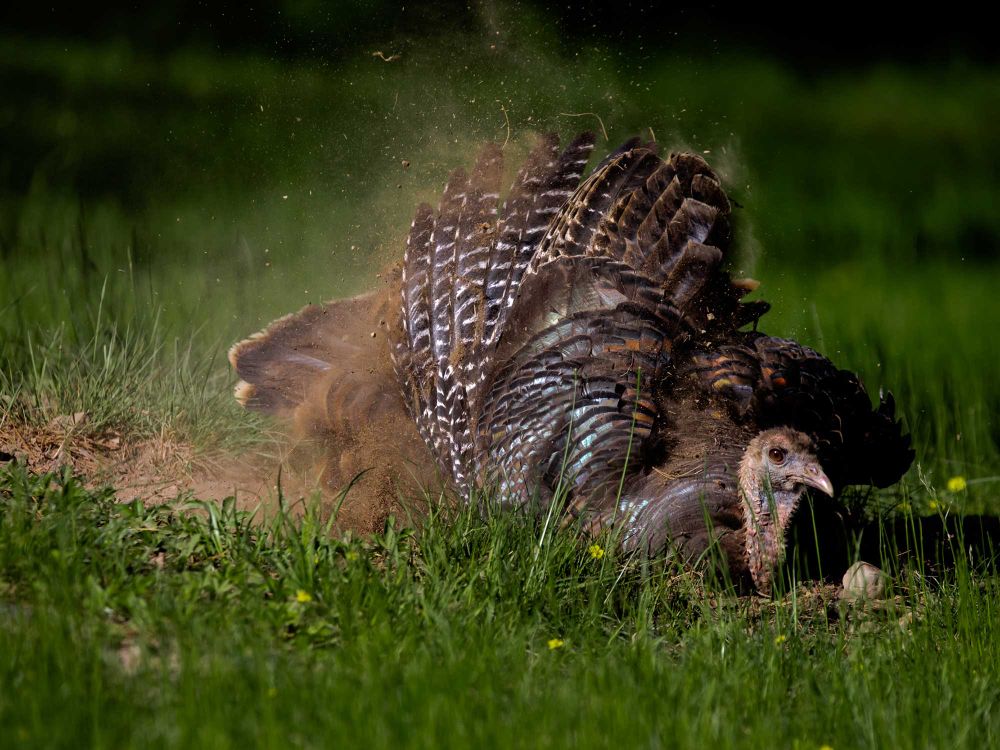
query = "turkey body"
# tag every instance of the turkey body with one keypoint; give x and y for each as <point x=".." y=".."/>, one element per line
<point x="581" y="343"/>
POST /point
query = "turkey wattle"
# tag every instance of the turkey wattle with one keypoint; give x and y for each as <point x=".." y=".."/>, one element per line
<point x="581" y="342"/>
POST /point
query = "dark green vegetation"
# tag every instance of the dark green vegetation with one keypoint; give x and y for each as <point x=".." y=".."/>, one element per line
<point x="153" y="208"/>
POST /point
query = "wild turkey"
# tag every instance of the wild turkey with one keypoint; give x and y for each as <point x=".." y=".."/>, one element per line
<point x="581" y="343"/>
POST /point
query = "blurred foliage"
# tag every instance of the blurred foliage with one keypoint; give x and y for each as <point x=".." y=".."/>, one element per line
<point x="214" y="188"/>
<point x="242" y="160"/>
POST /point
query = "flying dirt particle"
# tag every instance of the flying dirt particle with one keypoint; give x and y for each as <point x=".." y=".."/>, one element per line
<point x="381" y="56"/>
<point x="373" y="334"/>
<point x="604" y="131"/>
<point x="406" y="163"/>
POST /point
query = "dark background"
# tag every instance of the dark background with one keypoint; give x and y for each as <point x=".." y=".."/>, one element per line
<point x="818" y="36"/>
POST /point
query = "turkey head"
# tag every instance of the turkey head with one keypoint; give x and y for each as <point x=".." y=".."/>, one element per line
<point x="775" y="471"/>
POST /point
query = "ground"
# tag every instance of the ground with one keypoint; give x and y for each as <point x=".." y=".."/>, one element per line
<point x="156" y="207"/>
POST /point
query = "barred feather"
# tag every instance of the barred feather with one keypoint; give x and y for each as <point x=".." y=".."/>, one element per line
<point x="477" y="233"/>
<point x="462" y="271"/>
<point x="542" y="187"/>
<point x="414" y="361"/>
<point x="575" y="374"/>
<point x="444" y="247"/>
<point x="515" y="231"/>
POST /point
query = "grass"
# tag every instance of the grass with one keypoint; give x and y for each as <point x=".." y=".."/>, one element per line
<point x="155" y="627"/>
<point x="154" y="207"/>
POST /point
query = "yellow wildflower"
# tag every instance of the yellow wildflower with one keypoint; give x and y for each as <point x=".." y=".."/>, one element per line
<point x="352" y="555"/>
<point x="302" y="596"/>
<point x="780" y="639"/>
<point x="957" y="484"/>
<point x="933" y="505"/>
<point x="596" y="551"/>
<point x="555" y="643"/>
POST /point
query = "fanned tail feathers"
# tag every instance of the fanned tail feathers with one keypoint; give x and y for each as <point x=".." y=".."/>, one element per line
<point x="663" y="220"/>
<point x="542" y="187"/>
<point x="666" y="219"/>
<point x="461" y="272"/>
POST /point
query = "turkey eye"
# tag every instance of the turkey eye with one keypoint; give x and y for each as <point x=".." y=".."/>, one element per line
<point x="776" y="455"/>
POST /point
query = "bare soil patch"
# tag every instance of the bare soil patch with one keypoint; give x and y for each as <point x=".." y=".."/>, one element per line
<point x="162" y="469"/>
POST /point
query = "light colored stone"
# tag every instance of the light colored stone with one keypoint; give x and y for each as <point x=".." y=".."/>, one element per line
<point x="863" y="581"/>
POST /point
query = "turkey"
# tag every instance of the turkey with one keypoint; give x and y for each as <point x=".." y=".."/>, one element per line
<point x="580" y="343"/>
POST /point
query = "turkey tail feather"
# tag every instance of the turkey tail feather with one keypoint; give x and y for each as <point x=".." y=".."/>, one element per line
<point x="476" y="234"/>
<point x="440" y="281"/>
<point x="541" y="188"/>
<point x="412" y="353"/>
<point x="540" y="191"/>
<point x="462" y="271"/>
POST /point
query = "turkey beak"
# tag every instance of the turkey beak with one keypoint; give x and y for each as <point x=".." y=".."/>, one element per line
<point x="814" y="476"/>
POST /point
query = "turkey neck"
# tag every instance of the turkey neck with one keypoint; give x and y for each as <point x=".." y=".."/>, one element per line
<point x="766" y="513"/>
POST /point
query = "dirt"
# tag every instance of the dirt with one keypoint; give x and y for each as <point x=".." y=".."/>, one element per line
<point x="352" y="427"/>
<point x="155" y="469"/>
<point x="160" y="470"/>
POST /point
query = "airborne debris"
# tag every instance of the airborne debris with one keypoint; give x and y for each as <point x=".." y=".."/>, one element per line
<point x="604" y="131"/>
<point x="381" y="56"/>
